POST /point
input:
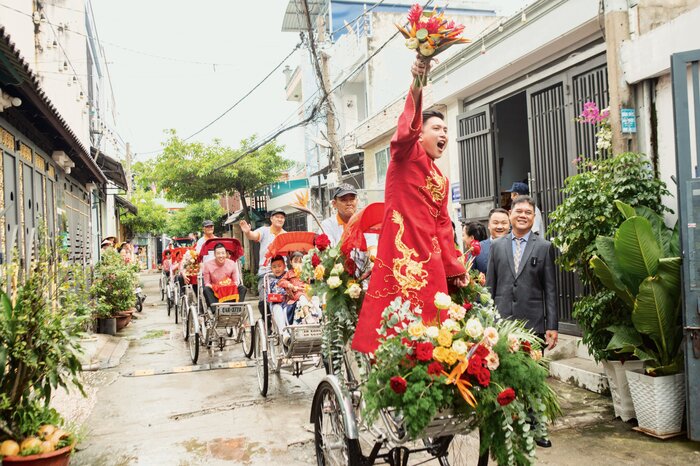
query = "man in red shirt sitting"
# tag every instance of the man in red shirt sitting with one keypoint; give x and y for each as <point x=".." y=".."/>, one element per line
<point x="219" y="271"/>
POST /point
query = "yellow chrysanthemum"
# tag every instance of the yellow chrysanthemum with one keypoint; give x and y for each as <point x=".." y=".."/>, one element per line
<point x="444" y="338"/>
<point x="319" y="271"/>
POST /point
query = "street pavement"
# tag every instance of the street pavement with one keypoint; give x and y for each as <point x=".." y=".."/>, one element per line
<point x="152" y="409"/>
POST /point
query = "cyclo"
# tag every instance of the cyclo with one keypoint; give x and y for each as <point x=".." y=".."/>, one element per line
<point x="228" y="321"/>
<point x="175" y="243"/>
<point x="343" y="436"/>
<point x="173" y="292"/>
<point x="303" y="341"/>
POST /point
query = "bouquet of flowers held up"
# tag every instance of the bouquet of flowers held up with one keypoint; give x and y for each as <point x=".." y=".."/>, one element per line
<point x="481" y="368"/>
<point x="430" y="33"/>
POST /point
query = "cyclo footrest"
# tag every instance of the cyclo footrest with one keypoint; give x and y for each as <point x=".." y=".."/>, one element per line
<point x="228" y="314"/>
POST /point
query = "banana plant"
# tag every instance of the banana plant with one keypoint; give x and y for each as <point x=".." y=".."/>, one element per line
<point x="641" y="265"/>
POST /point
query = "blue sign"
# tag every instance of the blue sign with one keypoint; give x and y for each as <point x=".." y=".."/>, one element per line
<point x="628" y="120"/>
<point x="456" y="196"/>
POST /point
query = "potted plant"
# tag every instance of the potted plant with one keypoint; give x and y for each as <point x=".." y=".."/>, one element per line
<point x="40" y="324"/>
<point x="113" y="289"/>
<point x="641" y="265"/>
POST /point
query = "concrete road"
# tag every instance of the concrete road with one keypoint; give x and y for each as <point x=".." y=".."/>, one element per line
<point x="205" y="417"/>
<point x="218" y="417"/>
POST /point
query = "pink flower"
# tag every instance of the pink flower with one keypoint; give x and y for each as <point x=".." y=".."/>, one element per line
<point x="415" y="13"/>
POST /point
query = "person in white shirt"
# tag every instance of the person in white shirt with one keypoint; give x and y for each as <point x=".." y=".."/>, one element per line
<point x="265" y="236"/>
<point x="208" y="228"/>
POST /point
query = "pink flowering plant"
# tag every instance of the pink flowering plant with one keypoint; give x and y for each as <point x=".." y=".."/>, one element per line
<point x="592" y="115"/>
<point x="486" y="370"/>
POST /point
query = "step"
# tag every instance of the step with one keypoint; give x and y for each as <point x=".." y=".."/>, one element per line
<point x="580" y="372"/>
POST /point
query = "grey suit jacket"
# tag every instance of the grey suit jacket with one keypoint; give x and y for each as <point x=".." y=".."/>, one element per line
<point x="531" y="294"/>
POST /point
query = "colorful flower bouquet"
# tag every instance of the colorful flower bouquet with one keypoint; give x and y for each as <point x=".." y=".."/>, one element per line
<point x="487" y="370"/>
<point x="430" y="33"/>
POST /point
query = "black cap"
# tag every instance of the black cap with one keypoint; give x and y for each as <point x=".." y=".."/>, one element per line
<point x="520" y="188"/>
<point x="344" y="189"/>
<point x="278" y="211"/>
<point x="207" y="223"/>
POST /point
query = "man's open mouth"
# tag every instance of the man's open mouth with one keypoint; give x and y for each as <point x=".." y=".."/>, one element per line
<point x="441" y="144"/>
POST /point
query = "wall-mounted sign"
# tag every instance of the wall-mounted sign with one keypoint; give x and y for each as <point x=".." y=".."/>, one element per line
<point x="455" y="192"/>
<point x="628" y="120"/>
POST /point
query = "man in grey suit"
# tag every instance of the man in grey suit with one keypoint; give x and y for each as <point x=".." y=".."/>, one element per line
<point x="498" y="226"/>
<point x="521" y="277"/>
<point x="521" y="274"/>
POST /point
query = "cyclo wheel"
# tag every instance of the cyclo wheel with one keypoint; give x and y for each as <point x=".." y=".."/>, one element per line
<point x="162" y="289"/>
<point x="246" y="331"/>
<point x="261" y="358"/>
<point x="184" y="308"/>
<point x="333" y="448"/>
<point x="194" y="337"/>
<point x="176" y="306"/>
<point x="274" y="343"/>
<point x="169" y="302"/>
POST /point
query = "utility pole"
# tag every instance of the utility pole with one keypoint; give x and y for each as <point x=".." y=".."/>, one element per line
<point x="129" y="187"/>
<point x="320" y="62"/>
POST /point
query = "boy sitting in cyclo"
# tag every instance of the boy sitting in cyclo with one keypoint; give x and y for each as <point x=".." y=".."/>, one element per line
<point x="221" y="272"/>
<point x="300" y="310"/>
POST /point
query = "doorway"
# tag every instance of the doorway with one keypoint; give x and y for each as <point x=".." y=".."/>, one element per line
<point x="512" y="145"/>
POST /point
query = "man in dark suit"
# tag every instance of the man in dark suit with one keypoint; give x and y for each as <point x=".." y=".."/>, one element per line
<point x="499" y="225"/>
<point x="521" y="277"/>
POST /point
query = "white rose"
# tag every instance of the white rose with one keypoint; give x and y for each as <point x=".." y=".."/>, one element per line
<point x="432" y="331"/>
<point x="337" y="269"/>
<point x="513" y="343"/>
<point x="334" y="281"/>
<point x="450" y="325"/>
<point x="354" y="291"/>
<point x="491" y="335"/>
<point x="460" y="347"/>
<point x="457" y="312"/>
<point x="442" y="300"/>
<point x="474" y="328"/>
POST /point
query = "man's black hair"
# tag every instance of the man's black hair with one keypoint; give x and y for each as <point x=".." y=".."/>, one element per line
<point x="428" y="114"/>
<point x="219" y="245"/>
<point x="476" y="230"/>
<point x="497" y="210"/>
<point x="167" y="252"/>
<point x="521" y="199"/>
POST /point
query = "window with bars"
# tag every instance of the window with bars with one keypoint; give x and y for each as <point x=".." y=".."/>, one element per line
<point x="381" y="160"/>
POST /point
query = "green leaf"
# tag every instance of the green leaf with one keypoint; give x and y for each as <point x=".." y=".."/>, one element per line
<point x="669" y="273"/>
<point x="655" y="315"/>
<point x="626" y="209"/>
<point x="625" y="338"/>
<point x="675" y="243"/>
<point x="637" y="251"/>
<point x="612" y="281"/>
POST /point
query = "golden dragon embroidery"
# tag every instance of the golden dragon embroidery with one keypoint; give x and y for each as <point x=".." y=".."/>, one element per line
<point x="408" y="272"/>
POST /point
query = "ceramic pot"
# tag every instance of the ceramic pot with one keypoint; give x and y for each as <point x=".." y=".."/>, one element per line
<point x="619" y="388"/>
<point x="59" y="457"/>
<point x="659" y="402"/>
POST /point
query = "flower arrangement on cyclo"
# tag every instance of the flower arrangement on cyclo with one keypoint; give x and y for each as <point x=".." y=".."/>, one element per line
<point x="332" y="275"/>
<point x="487" y="370"/>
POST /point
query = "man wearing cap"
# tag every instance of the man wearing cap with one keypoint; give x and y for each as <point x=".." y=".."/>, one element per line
<point x="208" y="227"/>
<point x="265" y="236"/>
<point x="345" y="203"/>
<point x="522" y="189"/>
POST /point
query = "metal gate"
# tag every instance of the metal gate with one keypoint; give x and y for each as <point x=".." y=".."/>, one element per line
<point x="11" y="204"/>
<point x="476" y="163"/>
<point x="686" y="108"/>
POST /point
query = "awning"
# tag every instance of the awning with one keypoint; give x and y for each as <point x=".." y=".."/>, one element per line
<point x="126" y="204"/>
<point x="112" y="168"/>
<point x="237" y="215"/>
<point x="350" y="165"/>
<point x="294" y="17"/>
<point x="39" y="112"/>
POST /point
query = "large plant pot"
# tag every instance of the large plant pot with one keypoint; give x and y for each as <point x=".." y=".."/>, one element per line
<point x="107" y="325"/>
<point x="55" y="458"/>
<point x="619" y="389"/>
<point x="123" y="320"/>
<point x="659" y="402"/>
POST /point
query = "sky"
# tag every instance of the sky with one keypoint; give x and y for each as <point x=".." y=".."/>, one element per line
<point x="153" y="94"/>
<point x="159" y="85"/>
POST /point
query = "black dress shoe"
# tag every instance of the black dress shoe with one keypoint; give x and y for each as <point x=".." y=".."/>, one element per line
<point x="543" y="442"/>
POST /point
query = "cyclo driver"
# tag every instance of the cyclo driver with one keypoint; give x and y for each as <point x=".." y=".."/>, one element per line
<point x="220" y="271"/>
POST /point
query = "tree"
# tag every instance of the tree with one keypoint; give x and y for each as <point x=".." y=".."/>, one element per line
<point x="144" y="175"/>
<point x="191" y="171"/>
<point x="189" y="219"/>
<point x="151" y="216"/>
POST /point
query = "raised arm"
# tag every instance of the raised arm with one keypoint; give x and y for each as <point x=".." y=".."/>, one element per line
<point x="411" y="120"/>
<point x="249" y="233"/>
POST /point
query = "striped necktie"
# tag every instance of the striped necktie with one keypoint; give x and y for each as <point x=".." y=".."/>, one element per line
<point x="518" y="252"/>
